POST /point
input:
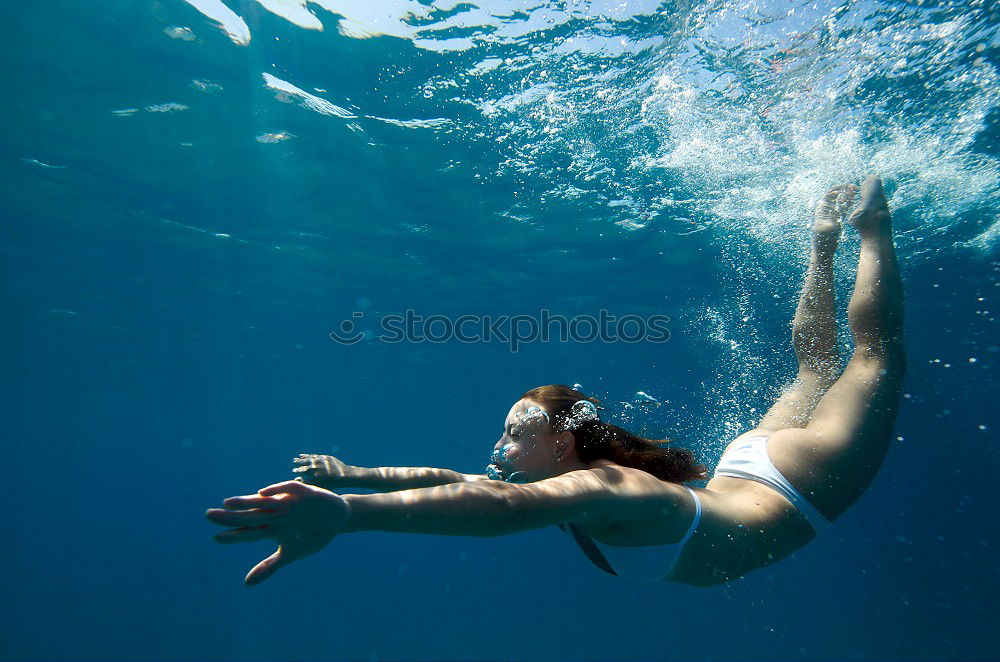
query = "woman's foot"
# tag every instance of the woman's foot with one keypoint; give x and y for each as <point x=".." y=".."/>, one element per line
<point x="872" y="213"/>
<point x="829" y="212"/>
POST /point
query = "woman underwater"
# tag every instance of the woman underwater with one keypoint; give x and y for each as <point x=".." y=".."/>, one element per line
<point x="775" y="488"/>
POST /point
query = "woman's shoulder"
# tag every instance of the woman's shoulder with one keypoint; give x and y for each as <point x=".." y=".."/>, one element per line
<point x="630" y="481"/>
<point x="631" y="476"/>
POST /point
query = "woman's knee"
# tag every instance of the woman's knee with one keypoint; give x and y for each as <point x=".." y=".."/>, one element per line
<point x="881" y="358"/>
<point x="817" y="377"/>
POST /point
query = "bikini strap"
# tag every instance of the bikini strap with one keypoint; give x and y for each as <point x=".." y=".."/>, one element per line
<point x="696" y="520"/>
<point x="586" y="543"/>
<point x="597" y="557"/>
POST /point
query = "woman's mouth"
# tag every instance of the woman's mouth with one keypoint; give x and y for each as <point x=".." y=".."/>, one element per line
<point x="499" y="468"/>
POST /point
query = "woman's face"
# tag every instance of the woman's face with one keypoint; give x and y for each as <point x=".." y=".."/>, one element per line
<point x="527" y="443"/>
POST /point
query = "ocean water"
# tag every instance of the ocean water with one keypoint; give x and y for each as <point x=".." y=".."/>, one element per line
<point x="197" y="193"/>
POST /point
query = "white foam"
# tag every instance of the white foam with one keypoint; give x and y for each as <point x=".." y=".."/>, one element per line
<point x="294" y="11"/>
<point x="310" y="101"/>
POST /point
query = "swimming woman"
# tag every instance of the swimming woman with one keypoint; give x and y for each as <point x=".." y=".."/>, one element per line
<point x="621" y="497"/>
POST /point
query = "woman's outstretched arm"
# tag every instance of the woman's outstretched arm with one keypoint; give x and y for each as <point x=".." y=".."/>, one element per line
<point x="330" y="473"/>
<point x="485" y="508"/>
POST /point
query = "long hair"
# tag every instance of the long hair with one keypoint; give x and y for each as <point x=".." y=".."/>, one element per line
<point x="599" y="440"/>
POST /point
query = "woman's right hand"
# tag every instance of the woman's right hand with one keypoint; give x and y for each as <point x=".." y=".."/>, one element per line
<point x="324" y="471"/>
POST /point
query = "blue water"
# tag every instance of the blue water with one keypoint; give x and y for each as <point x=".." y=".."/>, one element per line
<point x="194" y="197"/>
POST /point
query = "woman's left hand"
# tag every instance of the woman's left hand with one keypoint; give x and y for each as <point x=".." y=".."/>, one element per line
<point x="301" y="518"/>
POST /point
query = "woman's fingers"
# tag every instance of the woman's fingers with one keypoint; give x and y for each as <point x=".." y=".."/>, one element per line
<point x="307" y="464"/>
<point x="285" y="487"/>
<point x="265" y="568"/>
<point x="243" y="534"/>
<point x="272" y="504"/>
<point x="314" y="458"/>
<point x="240" y="517"/>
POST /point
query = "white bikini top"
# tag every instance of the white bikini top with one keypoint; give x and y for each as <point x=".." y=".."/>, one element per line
<point x="637" y="564"/>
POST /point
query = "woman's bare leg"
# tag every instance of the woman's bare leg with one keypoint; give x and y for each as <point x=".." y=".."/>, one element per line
<point x="814" y="328"/>
<point x="835" y="458"/>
